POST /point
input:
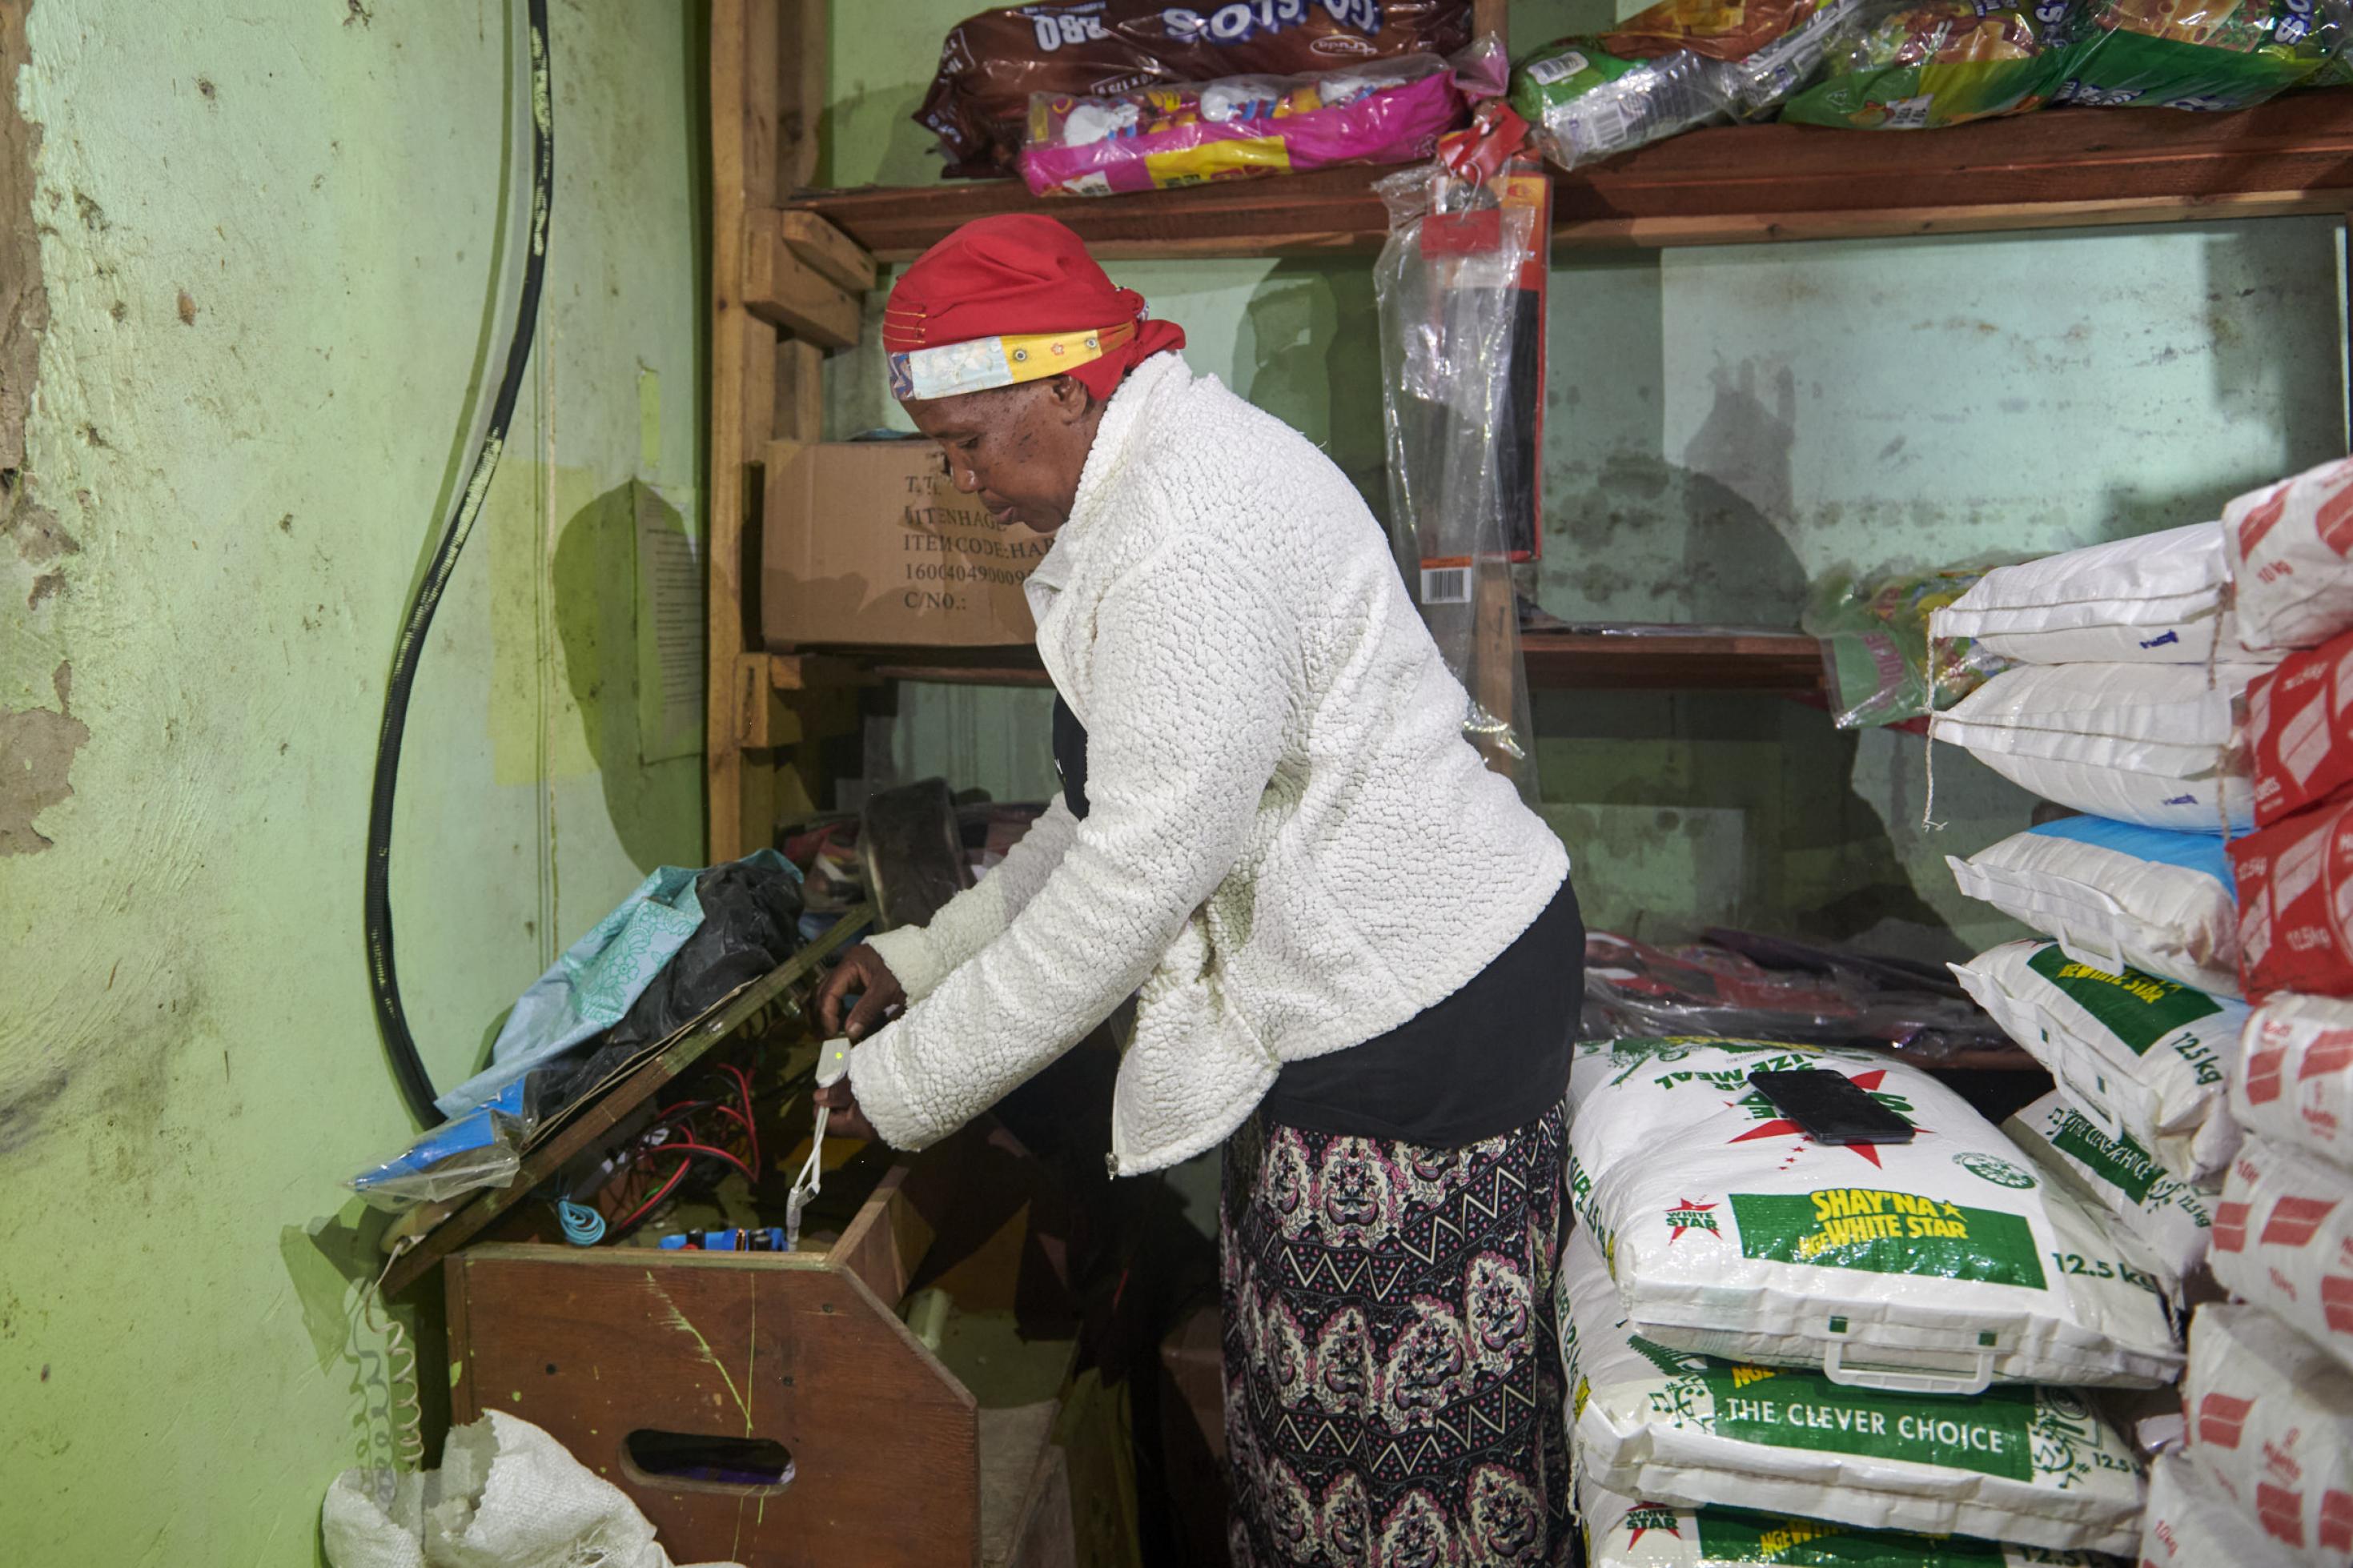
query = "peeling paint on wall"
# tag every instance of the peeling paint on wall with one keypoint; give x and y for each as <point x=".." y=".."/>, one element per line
<point x="36" y="752"/>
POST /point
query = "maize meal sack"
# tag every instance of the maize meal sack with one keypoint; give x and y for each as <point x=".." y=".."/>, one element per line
<point x="2159" y="901"/>
<point x="2270" y="1424"/>
<point x="2144" y="1058"/>
<point x="2294" y="1083"/>
<point x="1940" y="1264"/>
<point x="2299" y="735"/>
<point x="2031" y="1465"/>
<point x="1622" y="1533"/>
<point x="2284" y="1240"/>
<point x="2170" y="1220"/>
<point x="2288" y="544"/>
<point x="2190" y="1524"/>
<point x="2138" y="742"/>
<point x="2156" y="598"/>
<point x="2295" y="904"/>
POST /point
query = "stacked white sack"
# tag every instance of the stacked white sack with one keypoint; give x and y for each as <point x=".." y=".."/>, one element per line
<point x="2270" y="1424"/>
<point x="2294" y="1086"/>
<point x="1941" y="1264"/>
<point x="2030" y="1466"/>
<point x="2120" y="895"/>
<point x="2190" y="1525"/>
<point x="2137" y="742"/>
<point x="2284" y="1240"/>
<point x="2287" y="545"/>
<point x="2147" y="1060"/>
<point x="2158" y="599"/>
<point x="2168" y="1221"/>
<point x="1623" y="1533"/>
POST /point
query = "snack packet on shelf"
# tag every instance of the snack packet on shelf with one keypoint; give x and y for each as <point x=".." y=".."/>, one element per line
<point x="1769" y="48"/>
<point x="2199" y="54"/>
<point x="1588" y="104"/>
<point x="1154" y="137"/>
<point x="1934" y="63"/>
<point x="992" y="64"/>
<point x="1878" y="647"/>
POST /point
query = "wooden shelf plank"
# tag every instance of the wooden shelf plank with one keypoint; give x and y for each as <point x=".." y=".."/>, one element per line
<point x="1626" y="659"/>
<point x="1733" y="185"/>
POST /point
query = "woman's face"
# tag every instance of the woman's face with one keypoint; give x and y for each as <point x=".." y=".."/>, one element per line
<point x="1020" y="449"/>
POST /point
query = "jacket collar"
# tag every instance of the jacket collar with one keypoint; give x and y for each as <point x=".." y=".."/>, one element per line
<point x="1122" y="426"/>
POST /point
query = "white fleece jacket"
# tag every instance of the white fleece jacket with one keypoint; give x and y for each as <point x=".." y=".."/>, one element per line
<point x="1290" y="848"/>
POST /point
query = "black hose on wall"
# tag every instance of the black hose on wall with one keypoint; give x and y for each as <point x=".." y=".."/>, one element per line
<point x="416" y="1083"/>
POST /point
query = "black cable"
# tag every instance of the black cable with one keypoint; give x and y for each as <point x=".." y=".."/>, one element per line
<point x="416" y="1083"/>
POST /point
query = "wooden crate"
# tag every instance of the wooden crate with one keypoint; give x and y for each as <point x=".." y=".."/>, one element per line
<point x="893" y="1460"/>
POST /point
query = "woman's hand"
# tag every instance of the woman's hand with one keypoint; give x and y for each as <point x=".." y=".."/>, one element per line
<point x="843" y="1118"/>
<point x="861" y="969"/>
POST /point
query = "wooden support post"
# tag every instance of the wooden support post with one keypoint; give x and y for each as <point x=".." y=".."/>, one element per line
<point x="781" y="287"/>
<point x="1492" y="16"/>
<point x="769" y="272"/>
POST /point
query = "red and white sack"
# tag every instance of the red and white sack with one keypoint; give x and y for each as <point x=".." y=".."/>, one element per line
<point x="2288" y="544"/>
<point x="2271" y="1424"/>
<point x="2299" y="733"/>
<point x="2294" y="1081"/>
<point x="2149" y="744"/>
<point x="2190" y="1524"/>
<point x="2283" y="1239"/>
<point x="2295" y="904"/>
<point x="2158" y="599"/>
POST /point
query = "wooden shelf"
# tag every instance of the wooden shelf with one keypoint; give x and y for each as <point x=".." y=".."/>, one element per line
<point x="1622" y="658"/>
<point x="1733" y="185"/>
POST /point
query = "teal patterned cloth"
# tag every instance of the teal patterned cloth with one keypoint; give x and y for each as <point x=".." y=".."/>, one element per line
<point x="589" y="988"/>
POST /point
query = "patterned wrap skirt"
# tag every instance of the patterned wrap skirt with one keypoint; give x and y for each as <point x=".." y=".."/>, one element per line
<point x="1392" y="1358"/>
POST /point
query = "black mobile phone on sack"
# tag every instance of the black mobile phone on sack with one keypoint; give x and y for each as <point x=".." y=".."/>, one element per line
<point x="1829" y="1107"/>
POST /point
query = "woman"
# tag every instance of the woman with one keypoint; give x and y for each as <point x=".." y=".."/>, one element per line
<point x="1354" y="953"/>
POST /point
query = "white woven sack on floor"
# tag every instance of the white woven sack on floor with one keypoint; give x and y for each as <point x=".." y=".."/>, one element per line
<point x="2159" y="598"/>
<point x="1937" y="1265"/>
<point x="507" y="1495"/>
<point x="2284" y="1240"/>
<point x="1622" y="1533"/>
<point x="2117" y="892"/>
<point x="2190" y="1524"/>
<point x="2146" y="1058"/>
<point x="2294" y="1083"/>
<point x="2287" y="545"/>
<point x="2271" y="1424"/>
<point x="2138" y="742"/>
<point x="2031" y="1464"/>
<point x="2168" y="1221"/>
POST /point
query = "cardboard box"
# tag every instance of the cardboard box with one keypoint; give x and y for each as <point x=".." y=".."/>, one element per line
<point x="869" y="542"/>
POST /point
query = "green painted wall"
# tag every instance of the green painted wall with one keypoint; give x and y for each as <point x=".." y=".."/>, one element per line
<point x="264" y="243"/>
<point x="1723" y="426"/>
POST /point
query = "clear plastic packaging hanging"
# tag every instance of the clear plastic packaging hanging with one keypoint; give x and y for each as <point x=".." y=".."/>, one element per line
<point x="1448" y="285"/>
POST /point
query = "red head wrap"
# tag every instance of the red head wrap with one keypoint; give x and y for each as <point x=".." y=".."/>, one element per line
<point x="1018" y="277"/>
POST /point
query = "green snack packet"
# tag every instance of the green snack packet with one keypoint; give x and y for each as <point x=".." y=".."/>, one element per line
<point x="1587" y="103"/>
<point x="1940" y="62"/>
<point x="1876" y="646"/>
<point x="2200" y="54"/>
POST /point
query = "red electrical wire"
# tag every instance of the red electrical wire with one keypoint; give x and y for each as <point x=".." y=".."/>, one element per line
<point x="751" y="1126"/>
<point x="688" y="1146"/>
<point x="652" y="1202"/>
